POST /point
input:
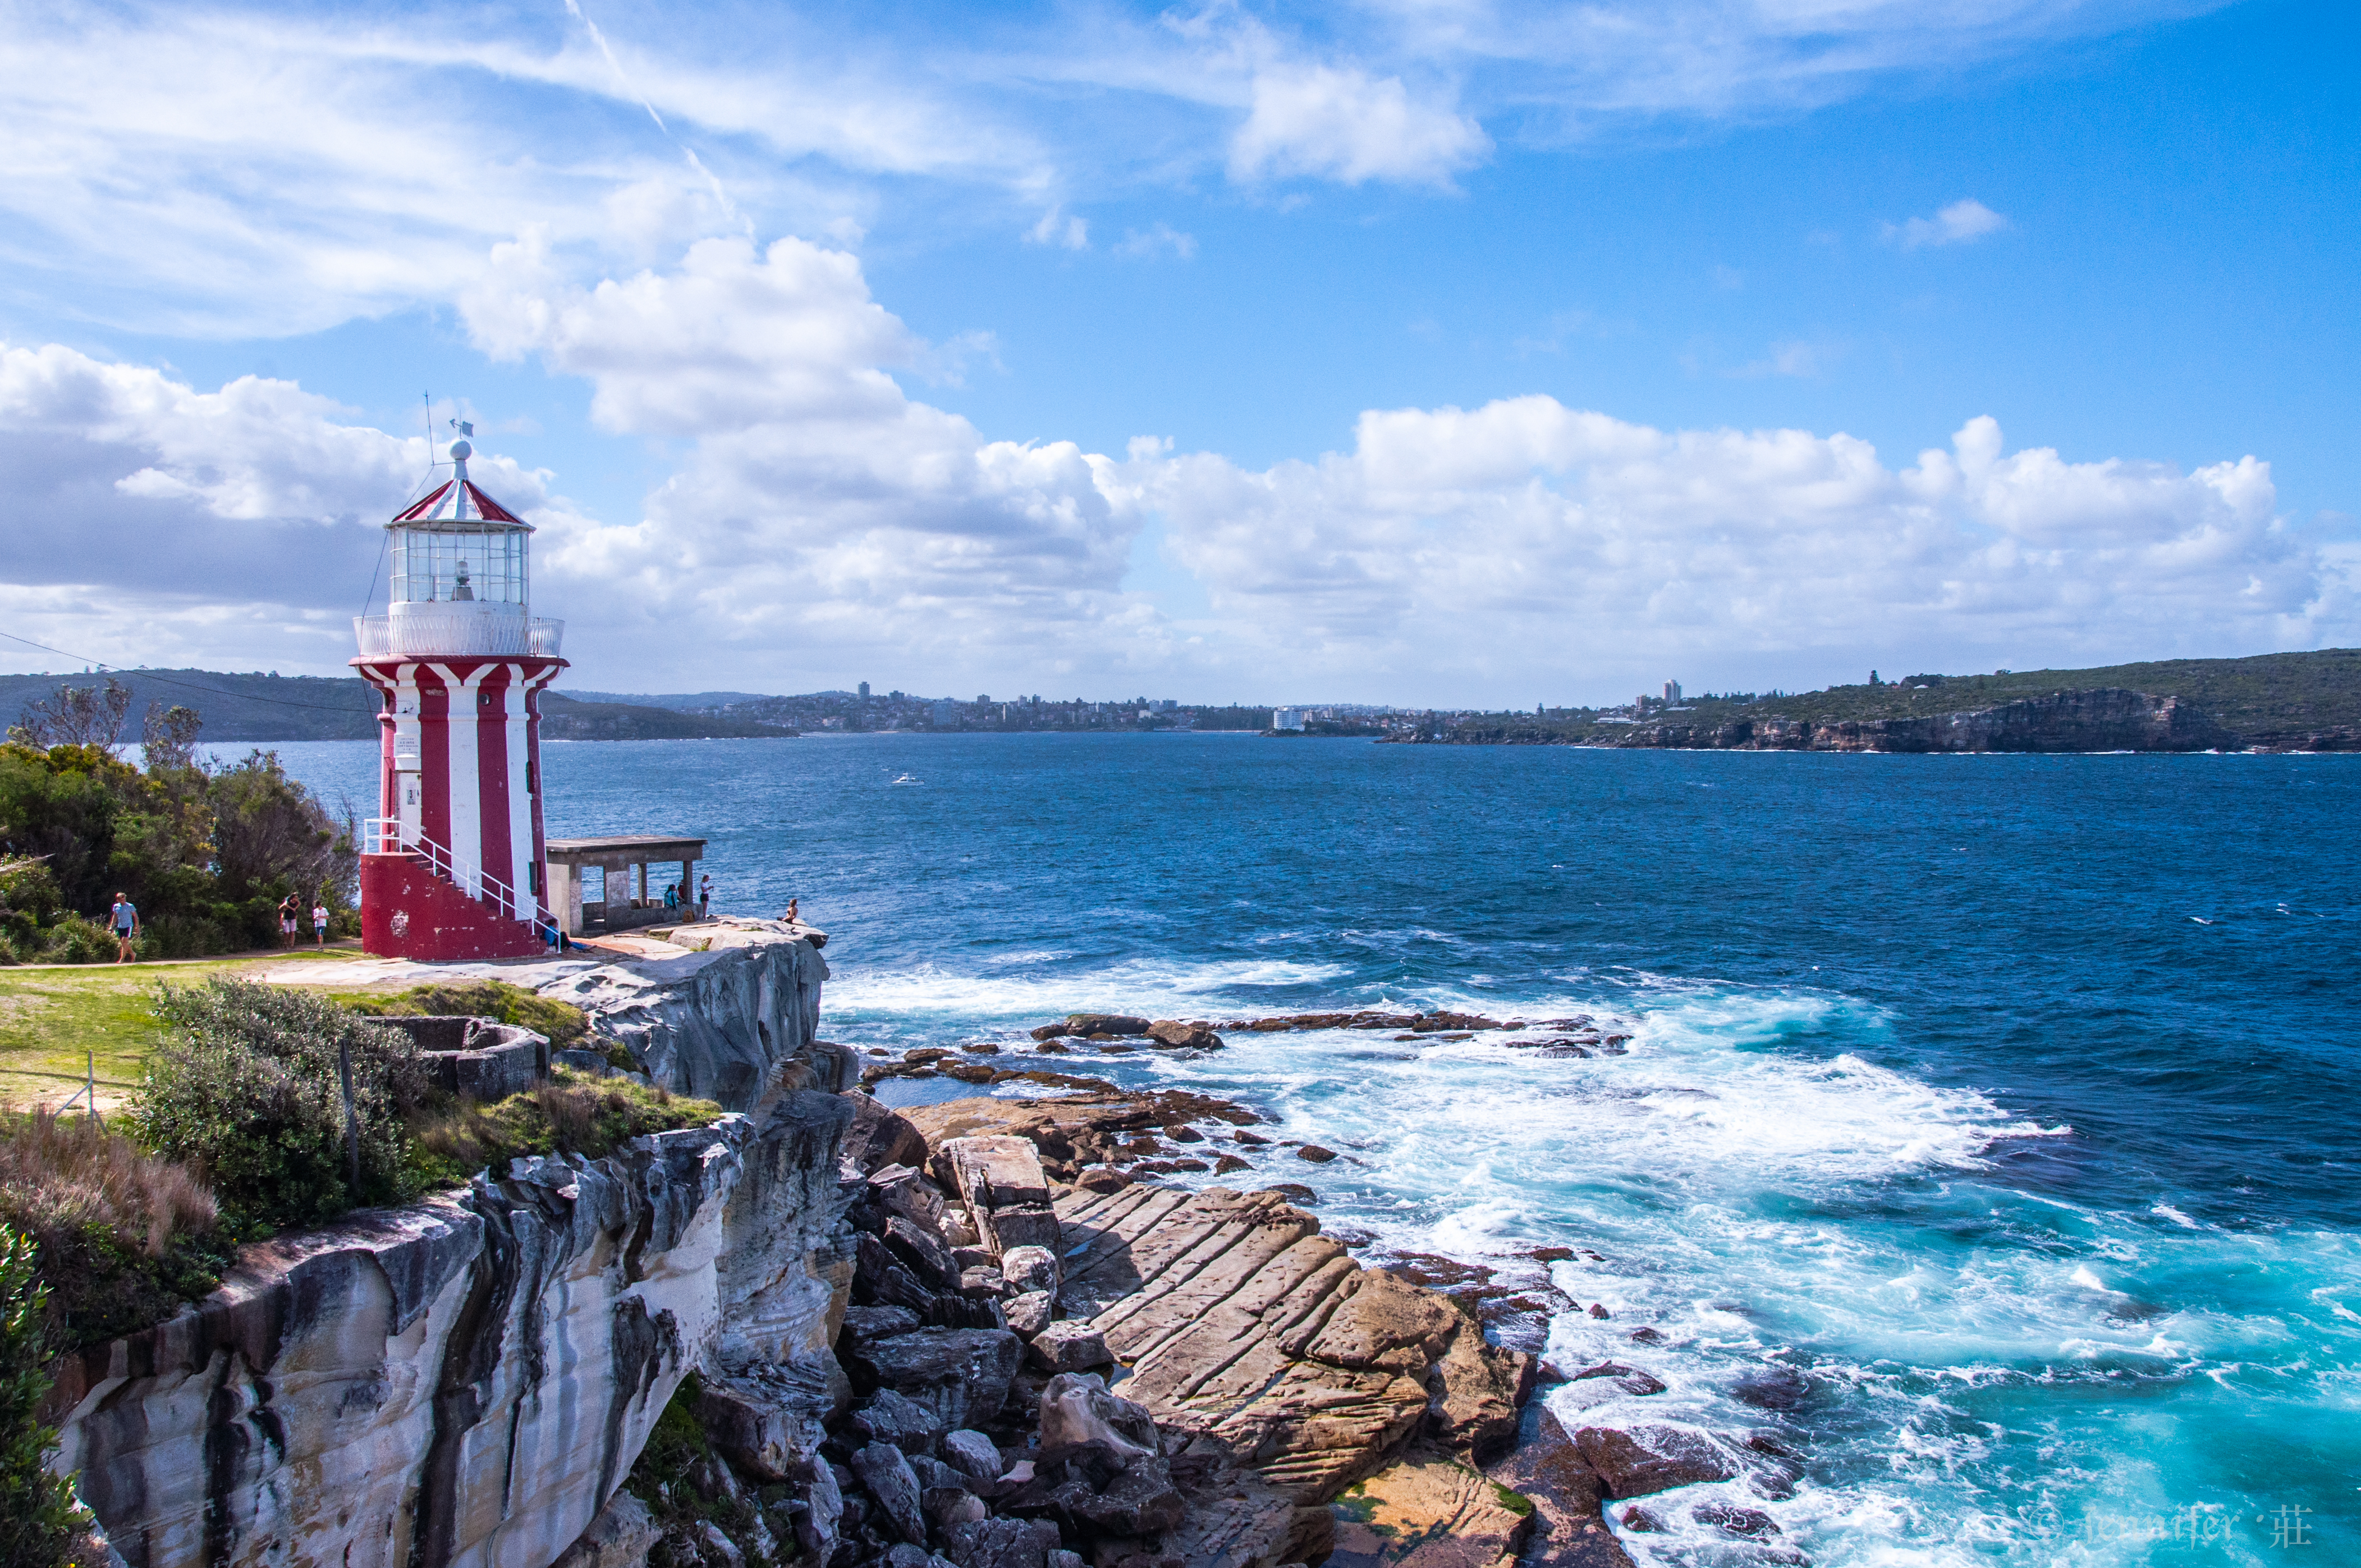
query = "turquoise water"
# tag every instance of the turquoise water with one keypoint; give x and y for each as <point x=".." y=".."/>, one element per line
<point x="2006" y="1099"/>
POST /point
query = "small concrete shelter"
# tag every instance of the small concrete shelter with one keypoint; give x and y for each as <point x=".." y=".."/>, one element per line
<point x="629" y="890"/>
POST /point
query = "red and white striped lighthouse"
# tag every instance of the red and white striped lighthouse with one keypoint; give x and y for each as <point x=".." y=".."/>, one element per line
<point x="453" y="865"/>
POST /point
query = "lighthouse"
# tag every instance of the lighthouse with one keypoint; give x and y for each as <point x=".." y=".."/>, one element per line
<point x="453" y="865"/>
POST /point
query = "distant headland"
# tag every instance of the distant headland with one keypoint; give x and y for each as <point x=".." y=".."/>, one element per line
<point x="2286" y="702"/>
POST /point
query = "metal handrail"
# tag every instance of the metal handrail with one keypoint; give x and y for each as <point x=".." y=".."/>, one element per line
<point x="445" y="863"/>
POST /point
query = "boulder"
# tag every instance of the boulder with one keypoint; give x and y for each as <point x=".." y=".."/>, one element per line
<point x="767" y="1420"/>
<point x="823" y="1510"/>
<point x="928" y="1256"/>
<point x="1475" y="1392"/>
<point x="1101" y="1490"/>
<point x="880" y="1279"/>
<point x="1175" y="1036"/>
<point x="1007" y="1195"/>
<point x="1029" y="1268"/>
<point x="887" y="1416"/>
<point x="878" y="1137"/>
<point x="1077" y="1408"/>
<point x="1068" y="1347"/>
<point x="1772" y="1387"/>
<point x="619" y="1537"/>
<point x="887" y="1475"/>
<point x="1315" y="1154"/>
<point x="1001" y="1543"/>
<point x="972" y="1455"/>
<point x="1030" y="1313"/>
<point x="1105" y="1023"/>
<point x="960" y="1375"/>
<point x="901" y="1189"/>
<point x="949" y="1505"/>
<point x="1546" y="1468"/>
<point x="1635" y="1461"/>
<point x="982" y="1281"/>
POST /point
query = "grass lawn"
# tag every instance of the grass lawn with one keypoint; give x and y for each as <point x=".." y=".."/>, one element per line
<point x="51" y="1018"/>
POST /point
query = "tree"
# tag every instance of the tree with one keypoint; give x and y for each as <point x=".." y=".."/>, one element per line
<point x="168" y="739"/>
<point x="37" y="1516"/>
<point x="77" y="716"/>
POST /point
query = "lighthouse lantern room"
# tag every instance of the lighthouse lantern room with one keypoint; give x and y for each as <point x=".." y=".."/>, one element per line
<point x="453" y="865"/>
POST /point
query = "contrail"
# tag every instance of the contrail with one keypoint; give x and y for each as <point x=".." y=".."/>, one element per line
<point x="574" y="9"/>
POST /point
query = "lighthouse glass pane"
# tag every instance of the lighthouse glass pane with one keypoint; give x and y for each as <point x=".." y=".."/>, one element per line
<point x="485" y="564"/>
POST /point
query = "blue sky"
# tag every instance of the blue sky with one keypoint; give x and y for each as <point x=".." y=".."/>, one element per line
<point x="1451" y="353"/>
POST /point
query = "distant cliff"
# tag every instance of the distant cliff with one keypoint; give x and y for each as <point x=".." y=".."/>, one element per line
<point x="2106" y="720"/>
<point x="2285" y="702"/>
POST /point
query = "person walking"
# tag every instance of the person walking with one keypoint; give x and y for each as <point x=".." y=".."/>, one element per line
<point x="124" y="920"/>
<point x="320" y="925"/>
<point x="705" y="895"/>
<point x="287" y="907"/>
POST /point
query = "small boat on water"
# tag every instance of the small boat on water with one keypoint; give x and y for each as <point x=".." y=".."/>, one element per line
<point x="907" y="778"/>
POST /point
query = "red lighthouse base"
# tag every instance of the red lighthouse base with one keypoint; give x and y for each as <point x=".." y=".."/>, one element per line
<point x="408" y="912"/>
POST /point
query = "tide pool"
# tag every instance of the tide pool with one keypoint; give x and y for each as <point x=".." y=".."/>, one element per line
<point x="2002" y="1101"/>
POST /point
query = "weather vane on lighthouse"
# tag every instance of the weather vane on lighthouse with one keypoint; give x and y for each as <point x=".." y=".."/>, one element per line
<point x="455" y="863"/>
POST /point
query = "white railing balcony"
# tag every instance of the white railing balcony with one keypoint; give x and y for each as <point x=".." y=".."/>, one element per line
<point x="444" y="629"/>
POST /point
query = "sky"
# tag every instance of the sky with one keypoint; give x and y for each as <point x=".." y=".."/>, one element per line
<point x="1426" y="352"/>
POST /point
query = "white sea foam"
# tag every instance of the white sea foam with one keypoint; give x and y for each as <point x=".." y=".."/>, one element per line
<point x="1759" y="1186"/>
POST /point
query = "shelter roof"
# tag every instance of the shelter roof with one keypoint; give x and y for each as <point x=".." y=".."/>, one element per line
<point x="641" y="847"/>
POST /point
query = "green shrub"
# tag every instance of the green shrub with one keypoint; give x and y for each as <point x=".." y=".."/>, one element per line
<point x="573" y="1114"/>
<point x="38" y="1522"/>
<point x="124" y="1237"/>
<point x="565" y="1025"/>
<point x="247" y="1090"/>
<point x="678" y="1476"/>
<point x="76" y="940"/>
<point x="187" y="936"/>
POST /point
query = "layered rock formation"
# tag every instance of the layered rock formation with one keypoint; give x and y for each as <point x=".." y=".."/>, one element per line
<point x="716" y="1023"/>
<point x="719" y="1013"/>
<point x="462" y="1382"/>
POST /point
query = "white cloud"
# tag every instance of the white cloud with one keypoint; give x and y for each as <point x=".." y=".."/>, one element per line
<point x="236" y="171"/>
<point x="1056" y="228"/>
<point x="1163" y="239"/>
<point x="1456" y="549"/>
<point x="820" y="520"/>
<point x="1789" y="357"/>
<point x="1339" y="123"/>
<point x="821" y="514"/>
<point x="1964" y="220"/>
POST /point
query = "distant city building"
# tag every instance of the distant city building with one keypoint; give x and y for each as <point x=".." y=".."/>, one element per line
<point x="982" y="699"/>
<point x="1287" y="719"/>
<point x="864" y="690"/>
<point x="1672" y="691"/>
<point x="945" y="712"/>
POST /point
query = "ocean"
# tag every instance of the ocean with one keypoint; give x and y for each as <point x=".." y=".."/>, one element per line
<point x="2004" y="1102"/>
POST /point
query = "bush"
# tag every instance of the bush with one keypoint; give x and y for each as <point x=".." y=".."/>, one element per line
<point x="680" y="1477"/>
<point x="565" y="1025"/>
<point x="247" y="1090"/>
<point x="74" y="940"/>
<point x="37" y="1516"/>
<point x="124" y="1237"/>
<point x="573" y="1114"/>
<point x="186" y="937"/>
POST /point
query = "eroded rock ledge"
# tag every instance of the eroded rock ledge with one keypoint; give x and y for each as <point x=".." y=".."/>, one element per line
<point x="462" y="1382"/>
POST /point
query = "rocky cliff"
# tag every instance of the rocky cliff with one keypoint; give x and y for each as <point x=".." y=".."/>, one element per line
<point x="2070" y="721"/>
<point x="465" y="1381"/>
